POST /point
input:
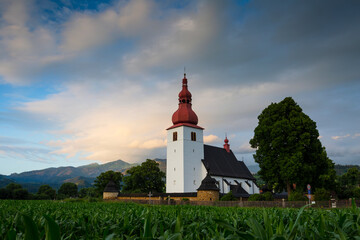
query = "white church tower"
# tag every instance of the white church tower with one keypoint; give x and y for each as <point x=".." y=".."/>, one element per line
<point x="185" y="148"/>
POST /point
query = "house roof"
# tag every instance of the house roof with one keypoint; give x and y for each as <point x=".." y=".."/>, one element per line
<point x="111" y="187"/>
<point x="208" y="183"/>
<point x="221" y="163"/>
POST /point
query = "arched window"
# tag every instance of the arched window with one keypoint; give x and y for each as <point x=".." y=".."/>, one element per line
<point x="174" y="136"/>
<point x="193" y="136"/>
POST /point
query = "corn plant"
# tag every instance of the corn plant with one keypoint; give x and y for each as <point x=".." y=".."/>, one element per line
<point x="55" y="220"/>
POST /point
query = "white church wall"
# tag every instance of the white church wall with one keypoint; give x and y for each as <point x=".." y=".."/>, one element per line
<point x="193" y="154"/>
<point x="174" y="163"/>
<point x="225" y="188"/>
<point x="184" y="166"/>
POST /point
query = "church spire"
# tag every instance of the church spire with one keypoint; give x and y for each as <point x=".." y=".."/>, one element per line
<point x="226" y="145"/>
<point x="185" y="114"/>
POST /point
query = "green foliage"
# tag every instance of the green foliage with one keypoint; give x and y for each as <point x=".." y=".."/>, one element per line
<point x="289" y="150"/>
<point x="351" y="177"/>
<point x="4" y="193"/>
<point x="46" y="192"/>
<point x="99" y="220"/>
<point x="261" y="197"/>
<point x="341" y="169"/>
<point x="322" y="194"/>
<point x="20" y="194"/>
<point x="297" y="196"/>
<point x="145" y="178"/>
<point x="13" y="186"/>
<point x="259" y="181"/>
<point x="14" y="191"/>
<point x="228" y="197"/>
<point x="356" y="193"/>
<point x="88" y="192"/>
<point x="347" y="183"/>
<point x="256" y="197"/>
<point x="104" y="178"/>
<point x="68" y="190"/>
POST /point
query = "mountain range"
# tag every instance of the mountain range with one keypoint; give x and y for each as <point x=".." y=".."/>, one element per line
<point x="83" y="176"/>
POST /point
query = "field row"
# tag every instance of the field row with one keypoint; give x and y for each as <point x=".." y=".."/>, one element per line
<point x="104" y="220"/>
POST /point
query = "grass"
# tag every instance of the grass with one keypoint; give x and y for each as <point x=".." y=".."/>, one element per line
<point x="104" y="220"/>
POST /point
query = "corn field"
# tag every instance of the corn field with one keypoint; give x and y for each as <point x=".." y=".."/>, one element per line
<point x="115" y="220"/>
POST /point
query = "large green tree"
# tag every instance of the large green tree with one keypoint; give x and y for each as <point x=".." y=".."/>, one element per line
<point x="145" y="178"/>
<point x="68" y="189"/>
<point x="46" y="192"/>
<point x="288" y="149"/>
<point x="104" y="178"/>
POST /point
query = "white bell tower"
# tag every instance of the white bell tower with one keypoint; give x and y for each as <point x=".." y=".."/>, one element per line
<point x="185" y="148"/>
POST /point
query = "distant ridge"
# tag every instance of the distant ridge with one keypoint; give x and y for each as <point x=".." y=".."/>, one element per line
<point x="83" y="176"/>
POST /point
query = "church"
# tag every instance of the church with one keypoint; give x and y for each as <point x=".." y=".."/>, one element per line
<point x="194" y="170"/>
<point x="192" y="165"/>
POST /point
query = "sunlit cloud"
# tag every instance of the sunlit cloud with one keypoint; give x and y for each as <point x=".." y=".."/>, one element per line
<point x="340" y="137"/>
<point x="211" y="139"/>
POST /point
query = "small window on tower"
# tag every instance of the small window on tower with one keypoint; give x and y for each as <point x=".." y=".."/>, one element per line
<point x="193" y="136"/>
<point x="174" y="136"/>
<point x="174" y="182"/>
<point x="194" y="182"/>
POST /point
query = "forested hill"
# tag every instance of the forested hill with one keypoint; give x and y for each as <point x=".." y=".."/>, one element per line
<point x="83" y="176"/>
<point x="341" y="169"/>
<point x="62" y="173"/>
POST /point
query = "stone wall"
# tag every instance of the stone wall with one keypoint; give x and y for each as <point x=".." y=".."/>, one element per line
<point x="157" y="198"/>
<point x="110" y="195"/>
<point x="207" y="195"/>
<point x="202" y="195"/>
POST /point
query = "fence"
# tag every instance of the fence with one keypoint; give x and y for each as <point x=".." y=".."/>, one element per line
<point x="283" y="204"/>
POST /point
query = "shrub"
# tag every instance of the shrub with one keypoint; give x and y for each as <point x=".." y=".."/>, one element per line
<point x="268" y="196"/>
<point x="42" y="196"/>
<point x="228" y="197"/>
<point x="261" y="197"/>
<point x="356" y="193"/>
<point x="322" y="194"/>
<point x="297" y="196"/>
<point x="256" y="197"/>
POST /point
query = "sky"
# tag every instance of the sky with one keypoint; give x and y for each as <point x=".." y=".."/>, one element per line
<point x="97" y="81"/>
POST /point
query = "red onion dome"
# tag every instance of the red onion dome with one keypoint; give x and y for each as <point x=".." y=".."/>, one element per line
<point x="184" y="114"/>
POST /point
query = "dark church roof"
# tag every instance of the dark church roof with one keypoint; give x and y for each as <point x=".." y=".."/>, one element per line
<point x="221" y="163"/>
<point x="238" y="191"/>
<point x="111" y="187"/>
<point x="208" y="183"/>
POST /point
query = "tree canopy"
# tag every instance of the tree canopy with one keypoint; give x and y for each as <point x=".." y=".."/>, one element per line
<point x="68" y="189"/>
<point x="14" y="191"/>
<point x="145" y="178"/>
<point x="46" y="192"/>
<point x="104" y="178"/>
<point x="288" y="149"/>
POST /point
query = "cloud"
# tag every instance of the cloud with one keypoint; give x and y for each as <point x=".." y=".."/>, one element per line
<point x="244" y="149"/>
<point x="34" y="154"/>
<point x="116" y="70"/>
<point x="88" y="30"/>
<point x="104" y="123"/>
<point x="340" y="137"/>
<point x="211" y="139"/>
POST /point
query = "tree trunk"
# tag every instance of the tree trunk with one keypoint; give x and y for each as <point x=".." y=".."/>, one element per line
<point x="288" y="188"/>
